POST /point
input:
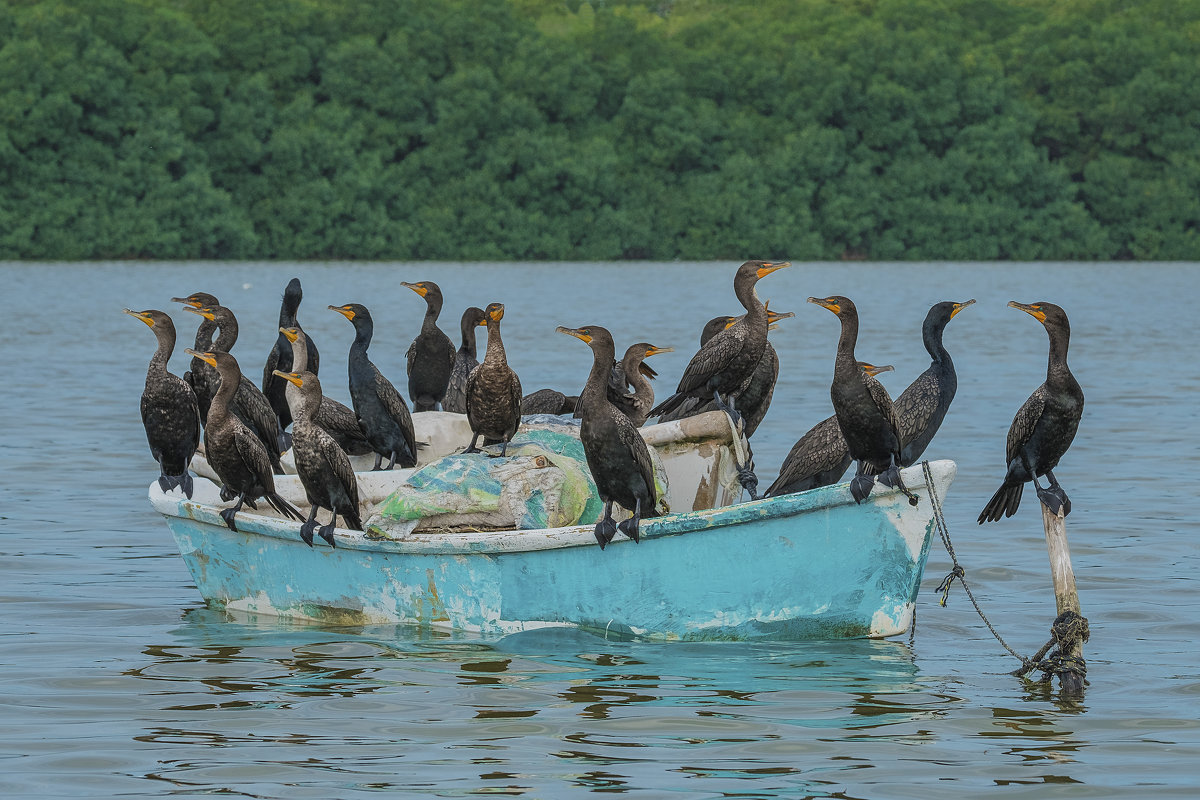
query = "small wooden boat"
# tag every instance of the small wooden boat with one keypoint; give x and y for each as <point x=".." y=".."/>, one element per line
<point x="812" y="565"/>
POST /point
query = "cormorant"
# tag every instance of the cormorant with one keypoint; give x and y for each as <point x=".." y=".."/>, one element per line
<point x="280" y="357"/>
<point x="1044" y="426"/>
<point x="820" y="457"/>
<point x="616" y="453"/>
<point x="198" y="375"/>
<point x="337" y="420"/>
<point x="169" y="411"/>
<point x="631" y="372"/>
<point x="236" y="454"/>
<point x="923" y="405"/>
<point x="323" y="467"/>
<point x="249" y="404"/>
<point x="549" y="401"/>
<point x="493" y="391"/>
<point x="865" y="413"/>
<point x="464" y="362"/>
<point x="431" y="356"/>
<point x="727" y="360"/>
<point x="381" y="411"/>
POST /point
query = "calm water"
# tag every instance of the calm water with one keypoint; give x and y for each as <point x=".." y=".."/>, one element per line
<point x="116" y="681"/>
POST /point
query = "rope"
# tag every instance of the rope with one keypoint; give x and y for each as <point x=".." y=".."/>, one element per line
<point x="958" y="573"/>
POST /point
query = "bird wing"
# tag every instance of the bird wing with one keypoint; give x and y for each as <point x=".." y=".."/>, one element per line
<point x="314" y="358"/>
<point x="254" y="455"/>
<point x="339" y="462"/>
<point x="713" y="357"/>
<point x="1024" y="422"/>
<point x="629" y="436"/>
<point x="883" y="401"/>
<point x="916" y="404"/>
<point x="269" y="369"/>
<point x="410" y="358"/>
<point x="397" y="409"/>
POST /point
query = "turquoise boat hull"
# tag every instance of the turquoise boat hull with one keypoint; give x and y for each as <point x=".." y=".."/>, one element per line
<point x="812" y="565"/>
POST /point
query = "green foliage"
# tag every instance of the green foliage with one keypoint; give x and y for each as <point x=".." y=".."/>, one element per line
<point x="570" y="130"/>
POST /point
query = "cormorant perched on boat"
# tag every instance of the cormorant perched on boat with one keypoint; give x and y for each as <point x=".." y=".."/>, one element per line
<point x="249" y="404"/>
<point x="280" y="357"/>
<point x="464" y="361"/>
<point x="381" y="411"/>
<point x="754" y="398"/>
<point x="616" y="453"/>
<point x="337" y="420"/>
<point x="1044" y="426"/>
<point x="923" y="405"/>
<point x="549" y="401"/>
<point x="865" y="413"/>
<point x="726" y="361"/>
<point x="493" y="390"/>
<point x="198" y="374"/>
<point x="169" y="411"/>
<point x="631" y="372"/>
<point x="236" y="454"/>
<point x="820" y="457"/>
<point x="323" y="467"/>
<point x="431" y="356"/>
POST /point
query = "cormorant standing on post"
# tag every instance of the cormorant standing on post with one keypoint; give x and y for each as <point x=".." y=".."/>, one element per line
<point x="323" y="467"/>
<point x="169" y="411"/>
<point x="236" y="454"/>
<point x="431" y="356"/>
<point x="617" y="455"/>
<point x="1044" y="426"/>
<point x="923" y="405"/>
<point x="865" y="413"/>
<point x="464" y="361"/>
<point x="493" y="391"/>
<point x="381" y="411"/>
<point x="820" y="457"/>
<point x="280" y="357"/>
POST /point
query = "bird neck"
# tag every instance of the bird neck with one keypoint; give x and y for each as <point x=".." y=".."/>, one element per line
<point x="747" y="295"/>
<point x="468" y="341"/>
<point x="845" y="353"/>
<point x="364" y="329"/>
<point x="495" y="346"/>
<point x="162" y="353"/>
<point x="631" y="366"/>
<point x="433" y="307"/>
<point x="204" y="335"/>
<point x="288" y="310"/>
<point x="310" y="401"/>
<point x="230" y="380"/>
<point x="1057" y="361"/>
<point x="227" y="336"/>
<point x="596" y="388"/>
<point x="931" y="335"/>
<point x="300" y="354"/>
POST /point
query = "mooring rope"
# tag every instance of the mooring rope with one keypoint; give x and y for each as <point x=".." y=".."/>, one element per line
<point x="1057" y="663"/>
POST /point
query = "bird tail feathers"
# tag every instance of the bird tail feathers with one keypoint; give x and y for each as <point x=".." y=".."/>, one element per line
<point x="1003" y="503"/>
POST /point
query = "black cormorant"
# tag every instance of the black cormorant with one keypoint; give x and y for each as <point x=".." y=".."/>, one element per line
<point x="338" y="421"/>
<point x="249" y="404"/>
<point x="923" y="405"/>
<point x="431" y="356"/>
<point x="549" y="401"/>
<point x="235" y="453"/>
<point x="820" y="457"/>
<point x="381" y="411"/>
<point x="464" y="361"/>
<point x="617" y="455"/>
<point x="280" y="357"/>
<point x="1044" y="426"/>
<point x="169" y="411"/>
<point x="631" y="372"/>
<point x="323" y="467"/>
<point x="198" y="374"/>
<point x="493" y="391"/>
<point x="865" y="413"/>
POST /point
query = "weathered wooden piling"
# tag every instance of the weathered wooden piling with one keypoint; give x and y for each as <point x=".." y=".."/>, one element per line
<point x="1070" y="629"/>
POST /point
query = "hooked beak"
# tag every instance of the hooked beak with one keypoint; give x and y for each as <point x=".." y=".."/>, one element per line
<point x="290" y="334"/>
<point x="578" y="334"/>
<point x="771" y="266"/>
<point x="1031" y="310"/>
<point x="416" y="287"/>
<point x="874" y="370"/>
<point x="653" y="351"/>
<point x="960" y="306"/>
<point x="345" y="312"/>
<point x="186" y="301"/>
<point x="146" y="318"/>
<point x="207" y="358"/>
<point x="204" y="312"/>
<point x="826" y="302"/>
<point x="290" y="377"/>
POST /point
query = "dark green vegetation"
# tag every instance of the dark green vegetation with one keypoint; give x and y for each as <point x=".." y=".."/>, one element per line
<point x="543" y="129"/>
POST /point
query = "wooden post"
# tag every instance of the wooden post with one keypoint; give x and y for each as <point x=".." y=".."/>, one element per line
<point x="1066" y="597"/>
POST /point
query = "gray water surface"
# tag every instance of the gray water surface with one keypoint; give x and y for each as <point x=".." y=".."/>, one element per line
<point x="117" y="681"/>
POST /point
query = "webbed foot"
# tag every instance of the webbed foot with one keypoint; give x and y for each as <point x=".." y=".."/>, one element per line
<point x="228" y="515"/>
<point x="227" y="494"/>
<point x="1055" y="499"/>
<point x="185" y="483"/>
<point x="860" y="487"/>
<point x="606" y="529"/>
<point x="253" y="505"/>
<point x="891" y="478"/>
<point x="306" y="532"/>
<point x="326" y="532"/>
<point x="629" y="527"/>
<point x="747" y="479"/>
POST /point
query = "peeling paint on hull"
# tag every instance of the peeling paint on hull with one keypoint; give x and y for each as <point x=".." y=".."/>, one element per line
<point x="807" y="566"/>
